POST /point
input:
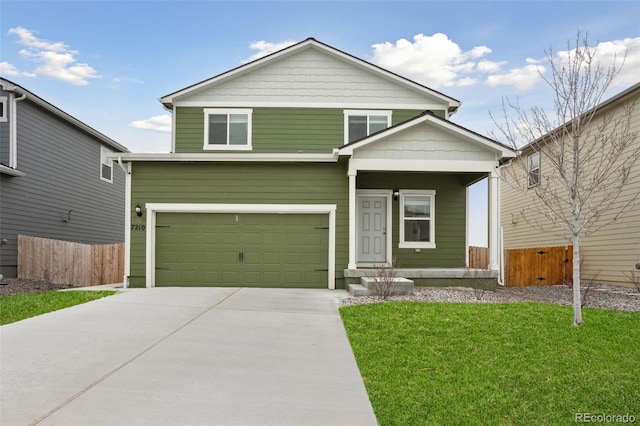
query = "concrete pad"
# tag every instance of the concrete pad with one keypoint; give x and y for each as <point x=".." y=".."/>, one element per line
<point x="185" y="356"/>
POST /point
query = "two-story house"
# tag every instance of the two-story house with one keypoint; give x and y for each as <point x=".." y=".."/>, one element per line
<point x="56" y="178"/>
<point x="306" y="168"/>
<point x="611" y="253"/>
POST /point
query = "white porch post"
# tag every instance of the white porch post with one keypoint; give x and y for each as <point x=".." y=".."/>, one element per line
<point x="352" y="219"/>
<point x="494" y="219"/>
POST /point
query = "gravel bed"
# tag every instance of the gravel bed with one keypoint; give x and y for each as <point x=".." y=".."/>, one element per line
<point x="595" y="296"/>
<point x="22" y="286"/>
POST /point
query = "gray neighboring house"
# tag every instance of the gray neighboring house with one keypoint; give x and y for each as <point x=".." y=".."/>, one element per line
<point x="56" y="180"/>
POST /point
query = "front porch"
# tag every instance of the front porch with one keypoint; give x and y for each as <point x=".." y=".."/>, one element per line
<point x="364" y="281"/>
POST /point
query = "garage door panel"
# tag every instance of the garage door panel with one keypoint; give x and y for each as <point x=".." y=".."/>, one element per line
<point x="274" y="250"/>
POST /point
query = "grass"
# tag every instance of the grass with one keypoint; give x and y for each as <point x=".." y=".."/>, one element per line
<point x="17" y="307"/>
<point x="498" y="364"/>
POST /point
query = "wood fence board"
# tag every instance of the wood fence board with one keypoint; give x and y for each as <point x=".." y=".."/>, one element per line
<point x="538" y="266"/>
<point x="67" y="262"/>
<point x="478" y="257"/>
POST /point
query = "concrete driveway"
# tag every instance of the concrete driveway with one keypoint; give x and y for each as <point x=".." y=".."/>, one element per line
<point x="184" y="356"/>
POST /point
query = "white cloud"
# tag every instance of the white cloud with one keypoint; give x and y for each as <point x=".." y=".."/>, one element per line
<point x="265" y="48"/>
<point x="432" y="60"/>
<point x="57" y="60"/>
<point x="521" y="78"/>
<point x="159" y="123"/>
<point x="607" y="52"/>
<point x="489" y="66"/>
<point x="7" y="69"/>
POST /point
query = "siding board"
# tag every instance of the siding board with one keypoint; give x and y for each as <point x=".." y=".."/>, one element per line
<point x="611" y="252"/>
<point x="62" y="173"/>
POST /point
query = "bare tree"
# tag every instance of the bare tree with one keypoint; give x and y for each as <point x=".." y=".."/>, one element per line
<point x="586" y="154"/>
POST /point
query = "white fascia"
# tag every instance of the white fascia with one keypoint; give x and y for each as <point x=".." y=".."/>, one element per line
<point x="315" y="105"/>
<point x="236" y="157"/>
<point x="469" y="166"/>
<point x="153" y="208"/>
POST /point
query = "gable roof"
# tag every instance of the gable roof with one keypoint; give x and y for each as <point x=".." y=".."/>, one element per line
<point x="429" y="117"/>
<point x="13" y="87"/>
<point x="311" y="43"/>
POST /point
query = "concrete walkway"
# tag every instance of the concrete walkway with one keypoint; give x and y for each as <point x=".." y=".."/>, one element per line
<point x="184" y="356"/>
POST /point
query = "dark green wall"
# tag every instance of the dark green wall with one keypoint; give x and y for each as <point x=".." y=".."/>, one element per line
<point x="450" y="216"/>
<point x="278" y="130"/>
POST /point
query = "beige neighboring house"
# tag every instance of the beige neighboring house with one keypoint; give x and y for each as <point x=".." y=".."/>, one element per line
<point x="612" y="252"/>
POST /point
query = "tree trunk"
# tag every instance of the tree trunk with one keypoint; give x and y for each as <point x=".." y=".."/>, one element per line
<point x="577" y="300"/>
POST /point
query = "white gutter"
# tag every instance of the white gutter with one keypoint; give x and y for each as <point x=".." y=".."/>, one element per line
<point x="230" y="157"/>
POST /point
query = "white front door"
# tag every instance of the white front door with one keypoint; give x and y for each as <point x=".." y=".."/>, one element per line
<point x="372" y="229"/>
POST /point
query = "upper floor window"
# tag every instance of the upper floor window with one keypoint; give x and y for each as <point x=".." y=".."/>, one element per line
<point x="227" y="129"/>
<point x="3" y="108"/>
<point x="534" y="169"/>
<point x="417" y="219"/>
<point x="360" y="124"/>
<point x="106" y="165"/>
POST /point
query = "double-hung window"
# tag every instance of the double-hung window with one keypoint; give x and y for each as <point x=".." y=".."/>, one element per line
<point x="417" y="219"/>
<point x="106" y="165"/>
<point x="534" y="169"/>
<point x="3" y="108"/>
<point x="227" y="129"/>
<point x="360" y="124"/>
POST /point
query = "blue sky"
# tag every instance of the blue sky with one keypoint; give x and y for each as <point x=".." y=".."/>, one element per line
<point x="107" y="63"/>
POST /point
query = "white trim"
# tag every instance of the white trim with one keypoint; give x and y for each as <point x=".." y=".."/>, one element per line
<point x="466" y="226"/>
<point x="227" y="111"/>
<point x="173" y="129"/>
<point x="432" y="219"/>
<point x="352" y="220"/>
<point x="234" y="157"/>
<point x="106" y="159"/>
<point x="153" y="208"/>
<point x="127" y="225"/>
<point x="493" y="189"/>
<point x="315" y="105"/>
<point x="530" y="170"/>
<point x="5" y="108"/>
<point x="448" y="102"/>
<point x="380" y="164"/>
<point x="388" y="194"/>
<point x="366" y="112"/>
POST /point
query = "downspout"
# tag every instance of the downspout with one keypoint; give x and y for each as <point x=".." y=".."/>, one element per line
<point x="127" y="222"/>
<point x="13" y="130"/>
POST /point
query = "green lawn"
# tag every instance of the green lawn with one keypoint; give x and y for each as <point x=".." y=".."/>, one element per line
<point x="20" y="306"/>
<point x="494" y="364"/>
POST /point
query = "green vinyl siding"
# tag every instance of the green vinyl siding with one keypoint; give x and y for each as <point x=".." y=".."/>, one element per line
<point x="450" y="217"/>
<point x="278" y="130"/>
<point x="238" y="183"/>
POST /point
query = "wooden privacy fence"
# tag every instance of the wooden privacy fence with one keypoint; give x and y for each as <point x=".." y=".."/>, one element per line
<point x="478" y="257"/>
<point x="538" y="266"/>
<point x="66" y="262"/>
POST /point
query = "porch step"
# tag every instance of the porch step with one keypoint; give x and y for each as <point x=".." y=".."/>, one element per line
<point x="358" y="290"/>
<point x="367" y="287"/>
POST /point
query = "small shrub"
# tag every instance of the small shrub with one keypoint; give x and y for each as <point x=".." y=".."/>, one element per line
<point x="384" y="279"/>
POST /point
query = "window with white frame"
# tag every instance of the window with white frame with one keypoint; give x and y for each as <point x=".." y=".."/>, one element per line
<point x="3" y="109"/>
<point x="417" y="219"/>
<point x="227" y="129"/>
<point x="106" y="165"/>
<point x="534" y="169"/>
<point x="359" y="124"/>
